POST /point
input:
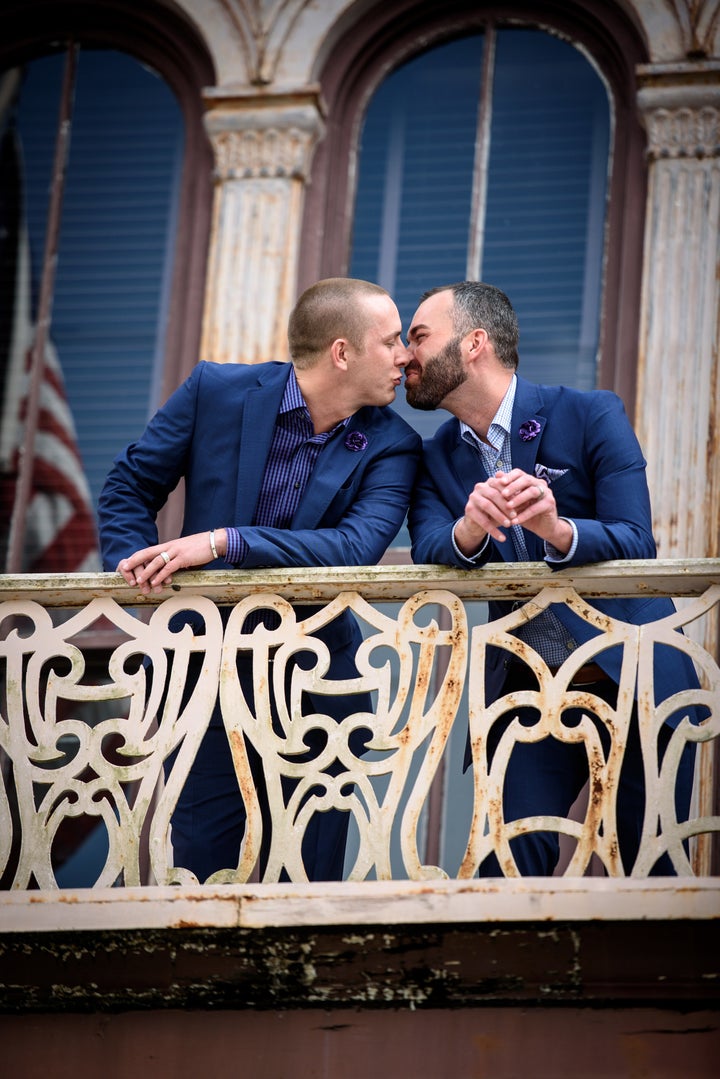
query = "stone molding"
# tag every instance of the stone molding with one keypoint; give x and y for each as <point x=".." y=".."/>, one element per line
<point x="683" y="132"/>
<point x="680" y="108"/>
<point x="263" y="146"/>
<point x="257" y="136"/>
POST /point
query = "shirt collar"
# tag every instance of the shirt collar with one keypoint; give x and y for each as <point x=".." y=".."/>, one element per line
<point x="500" y="427"/>
<point x="293" y="401"/>
<point x="292" y="398"/>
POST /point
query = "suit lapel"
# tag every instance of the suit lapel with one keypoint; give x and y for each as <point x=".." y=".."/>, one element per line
<point x="455" y="466"/>
<point x="467" y="465"/>
<point x="527" y="406"/>
<point x="259" y="413"/>
<point x="332" y="471"/>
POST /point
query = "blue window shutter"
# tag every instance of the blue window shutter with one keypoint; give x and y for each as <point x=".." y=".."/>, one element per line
<point x="545" y="206"/>
<point x="546" y="202"/>
<point x="116" y="238"/>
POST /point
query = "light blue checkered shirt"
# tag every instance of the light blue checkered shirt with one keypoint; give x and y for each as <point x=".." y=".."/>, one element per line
<point x="546" y="633"/>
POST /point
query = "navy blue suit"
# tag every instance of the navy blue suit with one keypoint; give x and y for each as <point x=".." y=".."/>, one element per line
<point x="588" y="438"/>
<point x="215" y="433"/>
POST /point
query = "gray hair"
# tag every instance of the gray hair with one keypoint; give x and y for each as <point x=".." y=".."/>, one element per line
<point x="477" y="305"/>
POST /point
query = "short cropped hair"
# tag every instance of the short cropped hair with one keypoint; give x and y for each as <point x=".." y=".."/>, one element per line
<point x="326" y="311"/>
<point x="477" y="305"/>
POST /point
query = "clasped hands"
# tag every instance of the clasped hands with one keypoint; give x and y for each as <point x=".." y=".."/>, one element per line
<point x="151" y="569"/>
<point x="506" y="499"/>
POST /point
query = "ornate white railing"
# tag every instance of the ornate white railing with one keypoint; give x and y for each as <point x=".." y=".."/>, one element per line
<point x="82" y="739"/>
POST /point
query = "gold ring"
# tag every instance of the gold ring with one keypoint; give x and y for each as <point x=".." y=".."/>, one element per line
<point x="165" y="557"/>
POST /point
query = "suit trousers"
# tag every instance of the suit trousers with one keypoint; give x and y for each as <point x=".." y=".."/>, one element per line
<point x="546" y="778"/>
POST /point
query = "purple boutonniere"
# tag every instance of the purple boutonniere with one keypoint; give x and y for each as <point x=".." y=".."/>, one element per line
<point x="529" y="430"/>
<point x="355" y="441"/>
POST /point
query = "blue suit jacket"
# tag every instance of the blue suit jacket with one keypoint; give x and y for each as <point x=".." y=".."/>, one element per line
<point x="603" y="490"/>
<point x="215" y="433"/>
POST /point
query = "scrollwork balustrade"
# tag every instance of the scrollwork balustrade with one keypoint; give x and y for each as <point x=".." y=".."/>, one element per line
<point x="112" y="743"/>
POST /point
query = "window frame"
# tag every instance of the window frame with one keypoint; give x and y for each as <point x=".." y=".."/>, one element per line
<point x="359" y="57"/>
<point x="164" y="40"/>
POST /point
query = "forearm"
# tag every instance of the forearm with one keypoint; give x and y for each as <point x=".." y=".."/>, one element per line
<point x="469" y="538"/>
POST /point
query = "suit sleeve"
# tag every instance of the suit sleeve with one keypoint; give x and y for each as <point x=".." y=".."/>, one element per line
<point x="620" y="524"/>
<point x="432" y="516"/>
<point x="359" y="524"/>
<point x="144" y="474"/>
<point x="605" y="492"/>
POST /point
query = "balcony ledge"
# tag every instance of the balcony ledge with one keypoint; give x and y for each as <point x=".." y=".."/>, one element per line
<point x="371" y="903"/>
<point x="388" y="944"/>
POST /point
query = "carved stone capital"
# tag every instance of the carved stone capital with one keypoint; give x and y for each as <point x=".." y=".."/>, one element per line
<point x="684" y="132"/>
<point x="680" y="108"/>
<point x="263" y="136"/>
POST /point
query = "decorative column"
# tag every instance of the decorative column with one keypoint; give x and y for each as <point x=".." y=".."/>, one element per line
<point x="678" y="402"/>
<point x="263" y="147"/>
<point x="678" y="413"/>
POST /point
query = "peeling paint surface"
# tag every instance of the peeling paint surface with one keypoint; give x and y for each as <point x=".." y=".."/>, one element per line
<point x="429" y="966"/>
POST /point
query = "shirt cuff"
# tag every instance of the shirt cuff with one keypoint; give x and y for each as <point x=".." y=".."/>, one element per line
<point x="553" y="555"/>
<point x="237" y="548"/>
<point x="464" y="558"/>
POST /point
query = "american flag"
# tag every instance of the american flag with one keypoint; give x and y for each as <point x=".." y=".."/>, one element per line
<point x="60" y="533"/>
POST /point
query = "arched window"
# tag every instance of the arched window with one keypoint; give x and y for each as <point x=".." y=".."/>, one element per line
<point x="487" y="158"/>
<point x="132" y="235"/>
<point x="129" y="279"/>
<point x="497" y="140"/>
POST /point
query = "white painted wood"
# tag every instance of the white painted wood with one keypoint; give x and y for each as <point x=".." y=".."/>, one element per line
<point x="367" y="905"/>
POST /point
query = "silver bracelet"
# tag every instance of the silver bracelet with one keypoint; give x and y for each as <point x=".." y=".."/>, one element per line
<point x="213" y="548"/>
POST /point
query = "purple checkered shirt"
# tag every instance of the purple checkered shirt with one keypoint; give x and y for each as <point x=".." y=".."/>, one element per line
<point x="293" y="454"/>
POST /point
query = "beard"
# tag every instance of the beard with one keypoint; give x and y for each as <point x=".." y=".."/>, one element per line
<point x="442" y="374"/>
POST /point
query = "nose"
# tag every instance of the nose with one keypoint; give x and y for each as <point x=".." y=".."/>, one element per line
<point x="401" y="356"/>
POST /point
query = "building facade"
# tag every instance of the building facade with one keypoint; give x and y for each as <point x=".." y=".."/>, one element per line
<point x="220" y="156"/>
<point x="567" y="152"/>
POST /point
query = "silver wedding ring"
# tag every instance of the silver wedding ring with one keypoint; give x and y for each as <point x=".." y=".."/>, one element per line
<point x="541" y="492"/>
<point x="165" y="557"/>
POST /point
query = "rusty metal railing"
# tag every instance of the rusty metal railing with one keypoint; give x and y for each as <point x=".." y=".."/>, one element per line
<point x="87" y="732"/>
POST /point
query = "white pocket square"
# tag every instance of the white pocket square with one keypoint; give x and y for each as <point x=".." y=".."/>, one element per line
<point x="549" y="474"/>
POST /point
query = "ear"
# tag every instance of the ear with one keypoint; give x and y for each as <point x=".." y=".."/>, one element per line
<point x="339" y="354"/>
<point x="477" y="342"/>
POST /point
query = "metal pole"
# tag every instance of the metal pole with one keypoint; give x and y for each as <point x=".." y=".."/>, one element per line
<point x="23" y="490"/>
<point x="476" y="244"/>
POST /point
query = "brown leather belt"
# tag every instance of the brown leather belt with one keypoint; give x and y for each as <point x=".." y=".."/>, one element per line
<point x="591" y="672"/>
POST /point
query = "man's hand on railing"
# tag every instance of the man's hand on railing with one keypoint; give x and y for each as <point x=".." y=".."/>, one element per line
<point x="512" y="498"/>
<point x="151" y="569"/>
